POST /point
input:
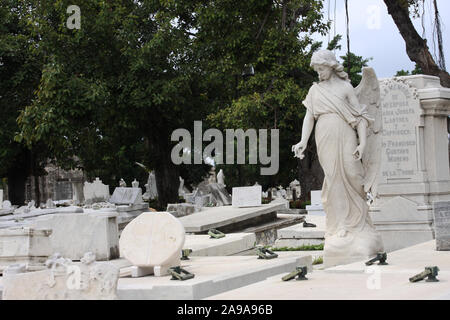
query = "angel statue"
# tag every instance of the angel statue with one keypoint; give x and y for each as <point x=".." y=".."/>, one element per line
<point x="348" y="145"/>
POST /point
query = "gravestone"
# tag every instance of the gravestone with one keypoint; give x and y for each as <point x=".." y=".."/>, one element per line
<point x="123" y="195"/>
<point x="414" y="169"/>
<point x="316" y="207"/>
<point x="152" y="242"/>
<point x="1" y="198"/>
<point x="442" y="225"/>
<point x="295" y="185"/>
<point x="63" y="190"/>
<point x="96" y="191"/>
<point x="246" y="196"/>
<point x="151" y="192"/>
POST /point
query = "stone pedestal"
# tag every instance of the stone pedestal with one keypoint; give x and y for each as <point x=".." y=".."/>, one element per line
<point x="415" y="161"/>
<point x="24" y="245"/>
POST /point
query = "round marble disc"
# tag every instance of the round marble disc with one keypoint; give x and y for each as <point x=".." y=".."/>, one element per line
<point x="152" y="239"/>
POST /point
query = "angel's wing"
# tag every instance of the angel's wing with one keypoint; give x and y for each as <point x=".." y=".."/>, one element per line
<point x="368" y="93"/>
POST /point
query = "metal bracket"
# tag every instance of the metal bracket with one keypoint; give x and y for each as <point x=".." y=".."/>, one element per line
<point x="430" y="273"/>
<point x="308" y="225"/>
<point x="264" y="253"/>
<point x="179" y="273"/>
<point x="185" y="254"/>
<point x="381" y="257"/>
<point x="299" y="272"/>
<point x="216" y="234"/>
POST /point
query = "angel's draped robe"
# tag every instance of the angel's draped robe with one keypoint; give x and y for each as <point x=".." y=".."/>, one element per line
<point x="343" y="196"/>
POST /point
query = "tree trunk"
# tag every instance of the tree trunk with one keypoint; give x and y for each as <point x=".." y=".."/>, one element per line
<point x="166" y="175"/>
<point x="416" y="47"/>
<point x="16" y="186"/>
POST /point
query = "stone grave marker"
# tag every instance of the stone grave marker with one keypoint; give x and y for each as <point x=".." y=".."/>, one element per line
<point x="441" y="211"/>
<point x="152" y="242"/>
<point x="96" y="191"/>
<point x="246" y="196"/>
<point x="124" y="195"/>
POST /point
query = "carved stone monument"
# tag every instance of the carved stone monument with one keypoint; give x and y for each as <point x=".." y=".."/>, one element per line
<point x="414" y="159"/>
<point x="96" y="191"/>
<point x="442" y="225"/>
<point x="152" y="242"/>
<point x="62" y="280"/>
<point x="347" y="142"/>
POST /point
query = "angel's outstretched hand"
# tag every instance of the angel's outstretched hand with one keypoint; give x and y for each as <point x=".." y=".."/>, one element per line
<point x="299" y="150"/>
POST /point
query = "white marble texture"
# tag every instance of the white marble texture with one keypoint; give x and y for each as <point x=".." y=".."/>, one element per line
<point x="152" y="239"/>
<point x="247" y="196"/>
<point x="62" y="280"/>
<point x="124" y="195"/>
<point x="96" y="191"/>
<point x="75" y="234"/>
<point x="24" y="245"/>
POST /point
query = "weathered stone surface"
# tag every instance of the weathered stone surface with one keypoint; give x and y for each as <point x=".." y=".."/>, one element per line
<point x="181" y="209"/>
<point x="75" y="234"/>
<point x="152" y="239"/>
<point x="96" y="191"/>
<point x="1" y="198"/>
<point x="226" y="216"/>
<point x="151" y="192"/>
<point x="123" y="195"/>
<point x="212" y="276"/>
<point x="24" y="245"/>
<point x="247" y="196"/>
<point x="415" y="159"/>
<point x="219" y="194"/>
<point x="232" y="244"/>
<point x="62" y="280"/>
<point x="442" y="225"/>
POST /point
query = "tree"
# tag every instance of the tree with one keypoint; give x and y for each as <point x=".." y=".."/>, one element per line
<point x="20" y="71"/>
<point x="416" y="46"/>
<point x="271" y="99"/>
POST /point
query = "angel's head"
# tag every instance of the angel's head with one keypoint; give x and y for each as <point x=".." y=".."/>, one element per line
<point x="325" y="64"/>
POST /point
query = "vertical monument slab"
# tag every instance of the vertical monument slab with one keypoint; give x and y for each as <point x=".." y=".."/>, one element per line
<point x="441" y="212"/>
<point x="414" y="168"/>
<point x="247" y="196"/>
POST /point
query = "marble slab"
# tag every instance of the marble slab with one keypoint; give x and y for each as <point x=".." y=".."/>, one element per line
<point x="75" y="234"/>
<point x="217" y="217"/>
<point x="212" y="276"/>
<point x="359" y="282"/>
<point x="247" y="196"/>
<point x="123" y="195"/>
<point x="231" y="244"/>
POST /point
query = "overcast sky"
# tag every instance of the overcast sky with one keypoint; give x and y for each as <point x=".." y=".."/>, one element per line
<point x="374" y="34"/>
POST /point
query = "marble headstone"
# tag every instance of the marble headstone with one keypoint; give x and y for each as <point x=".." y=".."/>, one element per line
<point x="96" y="191"/>
<point x="246" y="196"/>
<point x="126" y="196"/>
<point x="441" y="211"/>
<point x="152" y="239"/>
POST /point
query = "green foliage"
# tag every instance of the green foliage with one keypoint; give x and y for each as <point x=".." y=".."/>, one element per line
<point x="356" y="65"/>
<point x="318" y="260"/>
<point x="417" y="70"/>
